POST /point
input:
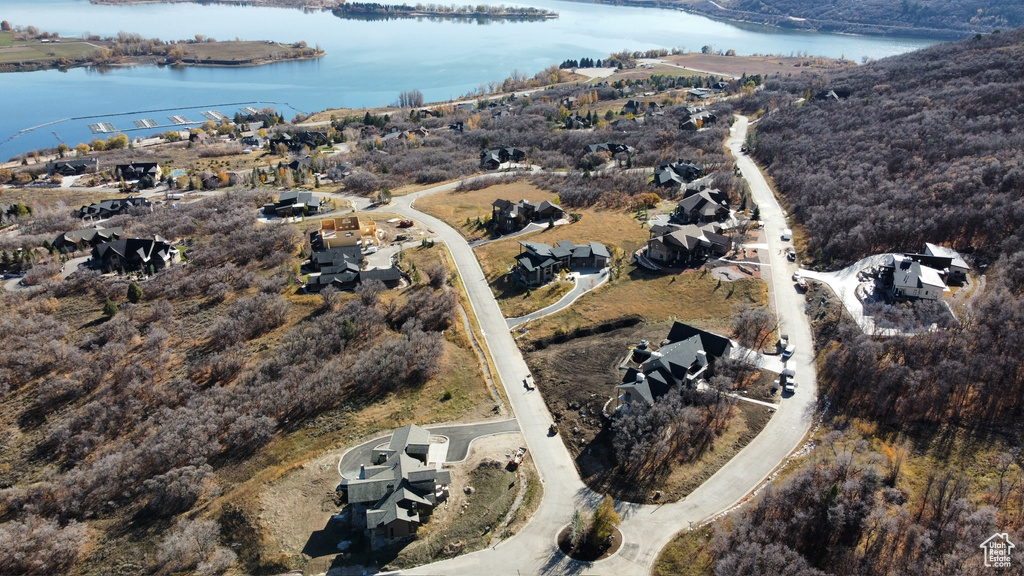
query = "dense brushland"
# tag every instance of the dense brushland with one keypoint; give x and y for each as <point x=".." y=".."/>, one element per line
<point x="928" y="18"/>
<point x="120" y="417"/>
<point x="922" y="460"/>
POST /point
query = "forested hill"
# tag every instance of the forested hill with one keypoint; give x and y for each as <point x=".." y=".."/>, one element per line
<point x="932" y="18"/>
<point x="929" y="146"/>
<point x="924" y="430"/>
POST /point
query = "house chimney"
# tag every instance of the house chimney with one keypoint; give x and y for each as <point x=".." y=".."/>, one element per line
<point x="640" y="377"/>
<point x="702" y="358"/>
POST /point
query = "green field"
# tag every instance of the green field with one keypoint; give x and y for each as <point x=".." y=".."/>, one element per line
<point x="34" y="51"/>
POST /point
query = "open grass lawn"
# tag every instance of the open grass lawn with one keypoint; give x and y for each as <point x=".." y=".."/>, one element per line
<point x="49" y="198"/>
<point x="238" y="51"/>
<point x="693" y="297"/>
<point x="27" y="51"/>
<point x="456" y="207"/>
<point x="686" y="555"/>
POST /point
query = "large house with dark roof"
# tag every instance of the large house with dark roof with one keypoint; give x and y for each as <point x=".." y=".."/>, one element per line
<point x="538" y="263"/>
<point x="676" y="245"/>
<point x="294" y="203"/>
<point x="137" y="171"/>
<point x="341" y="267"/>
<point x="676" y="174"/>
<point x="77" y="239"/>
<point x="113" y="207"/>
<point x="508" y="216"/>
<point x="135" y="254"/>
<point x="398" y="489"/>
<point x="493" y="158"/>
<point x="699" y="206"/>
<point x="73" y="167"/>
<point x="686" y="359"/>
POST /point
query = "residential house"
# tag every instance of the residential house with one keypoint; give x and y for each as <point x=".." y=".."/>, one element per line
<point x="576" y="122"/>
<point x="832" y="95"/>
<point x="508" y="216"/>
<point x="78" y="239"/>
<point x="908" y="278"/>
<point x="335" y="257"/>
<point x="538" y="263"/>
<point x="341" y="267"/>
<point x="611" y="148"/>
<point x="675" y="245"/>
<point x="698" y="93"/>
<point x="253" y="142"/>
<point x="398" y="490"/>
<point x="459" y="126"/>
<point x="719" y="87"/>
<point x="113" y="207"/>
<point x="687" y="358"/>
<point x="493" y="158"/>
<point x="294" y="203"/>
<point x="707" y="205"/>
<point x="73" y="167"/>
<point x="676" y="174"/>
<point x="135" y="254"/>
<point x="697" y="117"/>
<point x="956" y="269"/>
<point x="137" y="171"/>
<point x="633" y="107"/>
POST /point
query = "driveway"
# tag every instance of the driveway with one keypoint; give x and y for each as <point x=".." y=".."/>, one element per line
<point x="585" y="282"/>
<point x="460" y="437"/>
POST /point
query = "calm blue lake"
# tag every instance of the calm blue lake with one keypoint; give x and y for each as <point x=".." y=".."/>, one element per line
<point x="367" y="63"/>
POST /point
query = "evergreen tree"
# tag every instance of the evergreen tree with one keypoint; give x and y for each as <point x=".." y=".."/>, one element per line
<point x="134" y="293"/>
<point x="109" y="308"/>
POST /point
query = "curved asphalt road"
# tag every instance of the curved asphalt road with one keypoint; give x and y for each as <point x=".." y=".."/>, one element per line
<point x="646" y="528"/>
<point x="459" y="439"/>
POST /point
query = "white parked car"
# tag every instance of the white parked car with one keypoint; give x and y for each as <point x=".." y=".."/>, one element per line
<point x="787" y="352"/>
<point x="787" y="234"/>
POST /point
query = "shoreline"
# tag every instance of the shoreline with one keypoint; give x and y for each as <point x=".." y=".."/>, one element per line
<point x="143" y="61"/>
<point x="697" y="8"/>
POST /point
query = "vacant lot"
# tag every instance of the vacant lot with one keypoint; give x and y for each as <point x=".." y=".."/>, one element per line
<point x="693" y="296"/>
<point x="739" y="65"/>
<point x="52" y="198"/>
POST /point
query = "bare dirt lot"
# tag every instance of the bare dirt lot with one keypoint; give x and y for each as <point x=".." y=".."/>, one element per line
<point x="578" y="378"/>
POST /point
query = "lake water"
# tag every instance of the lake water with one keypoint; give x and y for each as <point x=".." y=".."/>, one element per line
<point x="367" y="63"/>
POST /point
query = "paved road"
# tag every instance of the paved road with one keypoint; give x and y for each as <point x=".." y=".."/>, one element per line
<point x="585" y="282"/>
<point x="646" y="529"/>
<point x="459" y="439"/>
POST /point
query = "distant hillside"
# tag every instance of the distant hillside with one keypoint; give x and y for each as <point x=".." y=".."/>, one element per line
<point x="930" y="18"/>
<point x="927" y="147"/>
